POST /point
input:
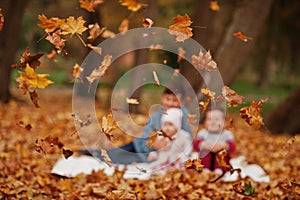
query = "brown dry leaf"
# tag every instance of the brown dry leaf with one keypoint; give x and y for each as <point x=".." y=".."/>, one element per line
<point x="106" y="158"/>
<point x="26" y="58"/>
<point x="147" y="22"/>
<point x="98" y="50"/>
<point x="123" y="28"/>
<point x="121" y="194"/>
<point x="90" y="5"/>
<point x="232" y="97"/>
<point x="67" y="153"/>
<point x="100" y="71"/>
<point x="108" y="125"/>
<point x="34" y="98"/>
<point x="208" y="93"/>
<point x="240" y="35"/>
<point x="73" y="26"/>
<point x="82" y="123"/>
<point x="21" y="124"/>
<point x="181" y="53"/>
<point x="132" y="101"/>
<point x="132" y="5"/>
<point x="1" y="20"/>
<point x="194" y="164"/>
<point x="175" y="73"/>
<point x="156" y="78"/>
<point x="52" y="55"/>
<point x="94" y="31"/>
<point x="204" y="61"/>
<point x="151" y="139"/>
<point x="221" y="159"/>
<point x="155" y="47"/>
<point x="181" y="28"/>
<point x="51" y="24"/>
<point x="108" y="34"/>
<point x="204" y="105"/>
<point x="56" y="40"/>
<point x="252" y="113"/>
<point x="214" y="6"/>
<point x="77" y="70"/>
<point x="47" y="145"/>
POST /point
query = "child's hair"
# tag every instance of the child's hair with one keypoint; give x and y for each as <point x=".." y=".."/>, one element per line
<point x="174" y="89"/>
<point x="216" y="108"/>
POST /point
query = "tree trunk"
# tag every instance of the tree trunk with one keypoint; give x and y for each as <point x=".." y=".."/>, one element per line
<point x="285" y="117"/>
<point x="9" y="40"/>
<point x="232" y="53"/>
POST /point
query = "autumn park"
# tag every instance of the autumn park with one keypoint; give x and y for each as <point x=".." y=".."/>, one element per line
<point x="149" y="99"/>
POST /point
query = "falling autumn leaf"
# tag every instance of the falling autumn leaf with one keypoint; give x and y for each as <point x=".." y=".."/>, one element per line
<point x="150" y="141"/>
<point x="106" y="157"/>
<point x="98" y="50"/>
<point x="132" y="5"/>
<point x="175" y="73"/>
<point x="56" y="40"/>
<point x="214" y="6"/>
<point x="194" y="164"/>
<point x="123" y="28"/>
<point x="26" y="58"/>
<point x="90" y="5"/>
<point x="1" y="20"/>
<point x="132" y="101"/>
<point x="51" y="24"/>
<point x="181" y="53"/>
<point x="241" y="36"/>
<point x="232" y="97"/>
<point x="77" y="71"/>
<point x="204" y="61"/>
<point x="181" y="28"/>
<point x="208" y="93"/>
<point x="204" y="105"/>
<point x="34" y="98"/>
<point x="156" y="80"/>
<point x="108" y="125"/>
<point x="73" y="26"/>
<point x="147" y="22"/>
<point x="100" y="71"/>
<point x="252" y="113"/>
<point x="221" y="159"/>
<point x="67" y="153"/>
<point x="94" y="31"/>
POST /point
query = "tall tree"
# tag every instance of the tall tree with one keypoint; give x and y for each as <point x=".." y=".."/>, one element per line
<point x="9" y="40"/>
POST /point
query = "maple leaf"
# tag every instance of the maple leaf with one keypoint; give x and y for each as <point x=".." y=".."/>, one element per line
<point x="51" y="24"/>
<point x="108" y="125"/>
<point x="94" y="31"/>
<point x="123" y="28"/>
<point x="221" y="159"/>
<point x="204" y="61"/>
<point x="252" y="113"/>
<point x="240" y="35"/>
<point x="214" y="6"/>
<point x="26" y="58"/>
<point x="147" y="22"/>
<point x="73" y="26"/>
<point x="1" y="20"/>
<point x="100" y="71"/>
<point x="232" y="97"/>
<point x="56" y="40"/>
<point x="33" y="80"/>
<point x="132" y="5"/>
<point x="208" y="93"/>
<point x="90" y="5"/>
<point x="181" y="28"/>
<point x="77" y="71"/>
<point x="153" y="137"/>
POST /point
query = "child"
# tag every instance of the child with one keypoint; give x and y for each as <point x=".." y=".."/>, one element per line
<point x="138" y="150"/>
<point x="177" y="141"/>
<point x="212" y="139"/>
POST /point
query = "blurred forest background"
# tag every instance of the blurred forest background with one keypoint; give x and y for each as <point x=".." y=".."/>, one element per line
<point x="265" y="66"/>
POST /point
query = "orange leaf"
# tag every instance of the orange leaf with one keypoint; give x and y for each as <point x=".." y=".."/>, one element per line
<point x="77" y="71"/>
<point x="181" y="28"/>
<point x="90" y="5"/>
<point x="132" y="5"/>
<point x="204" y="105"/>
<point x="221" y="159"/>
<point x="108" y="125"/>
<point x="151" y="139"/>
<point x="252" y="114"/>
<point x="123" y="28"/>
<point x="208" y="93"/>
<point x="194" y="164"/>
<point x="94" y="31"/>
<point x="100" y="71"/>
<point x="147" y="22"/>
<point x="73" y="26"/>
<point x="1" y="20"/>
<point x="241" y="36"/>
<point x="232" y="97"/>
<point x="106" y="157"/>
<point x="56" y="40"/>
<point x="34" y="98"/>
<point x="204" y="61"/>
<point x="51" y="55"/>
<point x="214" y="6"/>
<point x="26" y="58"/>
<point x="51" y="24"/>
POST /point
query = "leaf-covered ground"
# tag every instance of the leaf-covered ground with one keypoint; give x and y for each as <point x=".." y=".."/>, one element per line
<point x="25" y="169"/>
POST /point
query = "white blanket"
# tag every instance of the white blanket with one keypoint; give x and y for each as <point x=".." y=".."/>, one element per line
<point x="86" y="164"/>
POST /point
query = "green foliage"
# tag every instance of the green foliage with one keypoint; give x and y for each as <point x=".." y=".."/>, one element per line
<point x="249" y="189"/>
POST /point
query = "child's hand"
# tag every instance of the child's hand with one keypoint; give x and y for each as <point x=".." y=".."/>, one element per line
<point x="161" y="144"/>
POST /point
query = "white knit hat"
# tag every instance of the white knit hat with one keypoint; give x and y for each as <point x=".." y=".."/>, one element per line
<point x="173" y="115"/>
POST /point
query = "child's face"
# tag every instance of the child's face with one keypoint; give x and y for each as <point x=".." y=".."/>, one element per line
<point x="170" y="101"/>
<point x="169" y="129"/>
<point x="214" y="121"/>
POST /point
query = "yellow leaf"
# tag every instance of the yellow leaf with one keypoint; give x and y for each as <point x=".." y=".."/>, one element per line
<point x="90" y="5"/>
<point x="132" y="5"/>
<point x="214" y="6"/>
<point x="34" y="80"/>
<point x="73" y="26"/>
<point x="51" y="24"/>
